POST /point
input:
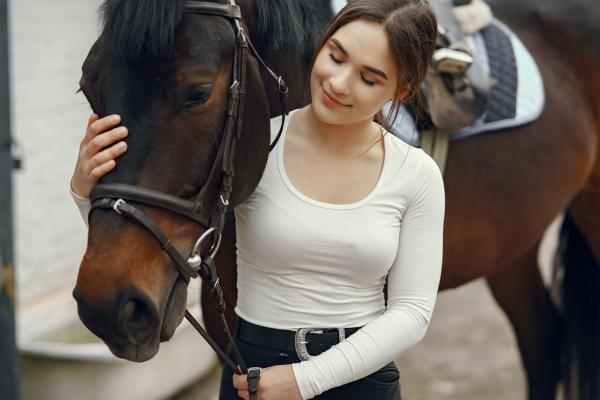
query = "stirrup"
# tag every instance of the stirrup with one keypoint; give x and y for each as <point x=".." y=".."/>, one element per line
<point x="253" y="378"/>
<point x="451" y="61"/>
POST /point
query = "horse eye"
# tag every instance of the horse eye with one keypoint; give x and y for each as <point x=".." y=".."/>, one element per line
<point x="198" y="95"/>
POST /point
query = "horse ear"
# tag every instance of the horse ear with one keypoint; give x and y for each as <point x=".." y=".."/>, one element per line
<point x="252" y="148"/>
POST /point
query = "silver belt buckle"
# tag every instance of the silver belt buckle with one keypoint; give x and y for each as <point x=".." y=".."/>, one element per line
<point x="300" y="340"/>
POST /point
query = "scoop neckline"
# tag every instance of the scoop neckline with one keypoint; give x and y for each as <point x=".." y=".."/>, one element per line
<point x="340" y="206"/>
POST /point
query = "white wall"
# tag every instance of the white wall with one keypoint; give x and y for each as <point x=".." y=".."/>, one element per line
<point x="49" y="41"/>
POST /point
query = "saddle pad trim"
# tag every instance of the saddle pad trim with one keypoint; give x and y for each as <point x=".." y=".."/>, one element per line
<point x="531" y="97"/>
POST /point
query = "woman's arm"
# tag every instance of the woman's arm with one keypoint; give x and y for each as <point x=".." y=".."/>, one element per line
<point x="413" y="282"/>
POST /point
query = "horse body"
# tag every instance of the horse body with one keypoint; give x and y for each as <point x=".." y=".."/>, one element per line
<point x="503" y="189"/>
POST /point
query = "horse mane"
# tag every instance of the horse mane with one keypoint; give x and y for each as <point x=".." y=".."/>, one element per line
<point x="146" y="28"/>
<point x="292" y="24"/>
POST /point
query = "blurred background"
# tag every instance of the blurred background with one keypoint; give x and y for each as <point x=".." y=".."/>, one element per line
<point x="468" y="353"/>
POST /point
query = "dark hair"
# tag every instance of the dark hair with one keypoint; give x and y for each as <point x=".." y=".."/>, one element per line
<point x="146" y="28"/>
<point x="411" y="29"/>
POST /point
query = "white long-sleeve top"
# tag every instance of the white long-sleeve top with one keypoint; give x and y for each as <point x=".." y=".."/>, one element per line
<point x="305" y="263"/>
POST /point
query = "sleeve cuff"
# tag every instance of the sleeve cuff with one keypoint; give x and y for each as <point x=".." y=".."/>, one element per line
<point x="83" y="204"/>
<point x="301" y="380"/>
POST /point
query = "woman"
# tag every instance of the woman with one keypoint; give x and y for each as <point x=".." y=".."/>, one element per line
<point x="355" y="207"/>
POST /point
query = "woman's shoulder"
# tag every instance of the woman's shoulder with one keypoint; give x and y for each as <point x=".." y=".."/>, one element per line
<point x="412" y="162"/>
<point x="402" y="153"/>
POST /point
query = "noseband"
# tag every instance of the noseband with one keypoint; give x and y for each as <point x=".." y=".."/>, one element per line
<point x="116" y="196"/>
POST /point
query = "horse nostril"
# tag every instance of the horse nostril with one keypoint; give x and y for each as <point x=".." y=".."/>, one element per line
<point x="137" y="321"/>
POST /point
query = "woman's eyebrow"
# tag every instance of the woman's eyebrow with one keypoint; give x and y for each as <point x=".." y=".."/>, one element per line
<point x="368" y="68"/>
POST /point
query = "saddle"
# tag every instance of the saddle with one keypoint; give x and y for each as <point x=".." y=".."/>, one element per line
<point x="456" y="87"/>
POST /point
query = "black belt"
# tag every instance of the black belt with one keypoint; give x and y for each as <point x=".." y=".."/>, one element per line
<point x="285" y="340"/>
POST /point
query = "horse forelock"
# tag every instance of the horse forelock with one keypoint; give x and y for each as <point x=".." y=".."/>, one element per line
<point x="146" y="28"/>
<point x="141" y="28"/>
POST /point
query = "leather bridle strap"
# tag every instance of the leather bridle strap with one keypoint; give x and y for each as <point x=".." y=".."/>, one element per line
<point x="122" y="208"/>
<point x="230" y="11"/>
<point x="151" y="197"/>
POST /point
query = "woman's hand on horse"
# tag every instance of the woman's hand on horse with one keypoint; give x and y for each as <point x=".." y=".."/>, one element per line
<point x="101" y="145"/>
<point x="276" y="383"/>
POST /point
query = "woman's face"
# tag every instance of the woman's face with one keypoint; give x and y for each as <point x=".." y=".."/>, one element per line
<point x="353" y="75"/>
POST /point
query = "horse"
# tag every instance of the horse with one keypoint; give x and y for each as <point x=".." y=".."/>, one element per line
<point x="166" y="72"/>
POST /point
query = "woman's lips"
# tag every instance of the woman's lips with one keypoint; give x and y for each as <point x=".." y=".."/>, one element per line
<point x="331" y="102"/>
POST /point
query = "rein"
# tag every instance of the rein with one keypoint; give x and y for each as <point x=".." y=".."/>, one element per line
<point x="116" y="196"/>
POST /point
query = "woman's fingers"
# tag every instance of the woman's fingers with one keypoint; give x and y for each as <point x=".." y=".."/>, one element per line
<point x="105" y="139"/>
<point x="93" y="118"/>
<point x="240" y="382"/>
<point x="100" y="146"/>
<point x="108" y="154"/>
<point x="99" y="125"/>
<point x="103" y="169"/>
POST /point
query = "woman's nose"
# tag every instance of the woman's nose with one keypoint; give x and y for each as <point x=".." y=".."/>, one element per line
<point x="340" y="83"/>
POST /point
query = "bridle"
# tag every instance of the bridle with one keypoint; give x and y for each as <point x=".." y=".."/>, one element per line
<point x="116" y="196"/>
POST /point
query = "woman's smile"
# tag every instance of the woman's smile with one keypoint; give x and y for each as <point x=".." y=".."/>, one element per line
<point x="332" y="102"/>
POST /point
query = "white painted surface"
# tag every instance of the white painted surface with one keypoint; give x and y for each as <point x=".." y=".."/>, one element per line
<point x="49" y="41"/>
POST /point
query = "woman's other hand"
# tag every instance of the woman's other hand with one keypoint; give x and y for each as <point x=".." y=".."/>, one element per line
<point x="276" y="383"/>
<point x="101" y="145"/>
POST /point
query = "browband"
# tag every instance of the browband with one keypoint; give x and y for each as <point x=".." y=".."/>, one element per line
<point x="223" y="10"/>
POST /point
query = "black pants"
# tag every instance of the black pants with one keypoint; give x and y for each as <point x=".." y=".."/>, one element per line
<point x="383" y="384"/>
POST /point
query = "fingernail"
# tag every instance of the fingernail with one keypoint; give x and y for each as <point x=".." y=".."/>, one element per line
<point x="116" y="118"/>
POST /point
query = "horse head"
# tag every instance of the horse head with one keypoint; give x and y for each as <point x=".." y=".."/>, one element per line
<point x="168" y="73"/>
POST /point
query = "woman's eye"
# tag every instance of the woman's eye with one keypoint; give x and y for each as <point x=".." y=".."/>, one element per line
<point x="367" y="82"/>
<point x="198" y="95"/>
<point x="335" y="60"/>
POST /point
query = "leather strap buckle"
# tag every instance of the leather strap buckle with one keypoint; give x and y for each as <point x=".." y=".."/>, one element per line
<point x="301" y="342"/>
